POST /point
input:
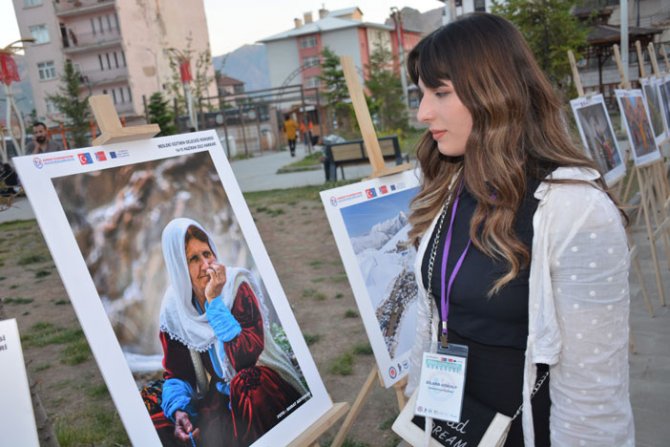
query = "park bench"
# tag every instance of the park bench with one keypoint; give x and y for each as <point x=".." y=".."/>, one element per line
<point x="348" y="153"/>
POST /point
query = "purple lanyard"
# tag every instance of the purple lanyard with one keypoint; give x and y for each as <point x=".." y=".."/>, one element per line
<point x="445" y="294"/>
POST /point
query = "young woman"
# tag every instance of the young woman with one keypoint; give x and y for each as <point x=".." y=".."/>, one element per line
<point x="542" y="281"/>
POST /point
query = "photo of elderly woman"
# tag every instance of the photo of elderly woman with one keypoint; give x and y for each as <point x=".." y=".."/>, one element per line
<point x="187" y="302"/>
<point x="212" y="320"/>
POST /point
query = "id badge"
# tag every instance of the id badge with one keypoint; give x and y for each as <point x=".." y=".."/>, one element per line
<point x="442" y="383"/>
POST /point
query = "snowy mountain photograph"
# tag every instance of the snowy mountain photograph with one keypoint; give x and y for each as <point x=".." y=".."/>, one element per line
<point x="378" y="231"/>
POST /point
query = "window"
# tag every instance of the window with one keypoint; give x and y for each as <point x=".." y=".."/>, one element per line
<point x="40" y="33"/>
<point x="480" y="5"/>
<point x="116" y="60"/>
<point x="109" y="63"/>
<point x="114" y="96"/>
<point x="51" y="107"/>
<point x="308" y="42"/>
<point x="311" y="61"/>
<point x="102" y="67"/>
<point x="123" y="58"/>
<point x="46" y="70"/>
<point x="130" y="95"/>
<point x="109" y="22"/>
<point x="121" y="93"/>
<point x="93" y="26"/>
<point x="31" y="3"/>
<point x="102" y="30"/>
<point x="313" y="82"/>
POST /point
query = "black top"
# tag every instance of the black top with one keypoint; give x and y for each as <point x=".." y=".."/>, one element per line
<point x="502" y="319"/>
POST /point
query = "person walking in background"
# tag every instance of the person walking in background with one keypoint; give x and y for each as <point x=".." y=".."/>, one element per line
<point x="519" y="246"/>
<point x="41" y="142"/>
<point x="291" y="131"/>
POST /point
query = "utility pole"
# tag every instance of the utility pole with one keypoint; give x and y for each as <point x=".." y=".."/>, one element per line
<point x="397" y="18"/>
<point x="449" y="11"/>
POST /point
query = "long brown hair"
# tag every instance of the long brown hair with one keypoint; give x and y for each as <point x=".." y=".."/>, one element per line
<point x="518" y="130"/>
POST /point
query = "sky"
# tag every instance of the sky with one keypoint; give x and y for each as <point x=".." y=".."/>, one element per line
<point x="233" y="23"/>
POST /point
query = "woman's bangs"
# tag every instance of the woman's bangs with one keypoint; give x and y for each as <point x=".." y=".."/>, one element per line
<point x="432" y="63"/>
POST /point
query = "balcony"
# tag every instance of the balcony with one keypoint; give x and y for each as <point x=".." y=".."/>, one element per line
<point x="81" y="42"/>
<point x="73" y="8"/>
<point x="96" y="78"/>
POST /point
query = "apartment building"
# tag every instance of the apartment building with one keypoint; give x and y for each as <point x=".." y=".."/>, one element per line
<point x="119" y="47"/>
<point x="294" y="55"/>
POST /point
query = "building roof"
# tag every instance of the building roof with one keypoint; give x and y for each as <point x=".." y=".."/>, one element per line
<point x="609" y="34"/>
<point x="326" y="24"/>
<point x="227" y="80"/>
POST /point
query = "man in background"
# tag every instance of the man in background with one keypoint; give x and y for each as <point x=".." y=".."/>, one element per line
<point x="41" y="142"/>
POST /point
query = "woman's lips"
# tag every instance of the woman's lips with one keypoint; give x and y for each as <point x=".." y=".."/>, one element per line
<point x="437" y="134"/>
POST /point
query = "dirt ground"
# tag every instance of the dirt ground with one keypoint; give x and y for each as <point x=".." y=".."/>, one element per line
<point x="297" y="236"/>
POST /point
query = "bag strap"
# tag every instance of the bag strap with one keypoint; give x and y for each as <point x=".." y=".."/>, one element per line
<point x="536" y="388"/>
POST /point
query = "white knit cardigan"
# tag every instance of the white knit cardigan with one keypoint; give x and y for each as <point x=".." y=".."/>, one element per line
<point x="578" y="315"/>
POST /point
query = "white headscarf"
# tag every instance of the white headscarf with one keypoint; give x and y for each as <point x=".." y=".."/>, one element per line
<point x="182" y="322"/>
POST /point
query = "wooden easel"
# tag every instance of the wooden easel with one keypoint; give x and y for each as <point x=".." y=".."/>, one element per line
<point x="378" y="170"/>
<point x="648" y="181"/>
<point x="112" y="132"/>
<point x="633" y="248"/>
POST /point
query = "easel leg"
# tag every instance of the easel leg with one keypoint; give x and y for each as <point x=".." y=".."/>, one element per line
<point x="355" y="408"/>
<point x="650" y="235"/>
<point x="638" y="272"/>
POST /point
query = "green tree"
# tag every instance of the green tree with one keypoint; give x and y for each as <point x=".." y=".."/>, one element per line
<point x="551" y="30"/>
<point x="336" y="93"/>
<point x="160" y="113"/>
<point x="386" y="96"/>
<point x="74" y="108"/>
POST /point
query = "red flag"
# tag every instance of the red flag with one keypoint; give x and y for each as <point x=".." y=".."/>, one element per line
<point x="185" y="71"/>
<point x="8" y="70"/>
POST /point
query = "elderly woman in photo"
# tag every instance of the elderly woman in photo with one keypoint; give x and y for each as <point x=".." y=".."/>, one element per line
<point x="213" y="321"/>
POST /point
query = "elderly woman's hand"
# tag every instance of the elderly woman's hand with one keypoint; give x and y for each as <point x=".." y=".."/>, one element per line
<point x="183" y="426"/>
<point x="217" y="279"/>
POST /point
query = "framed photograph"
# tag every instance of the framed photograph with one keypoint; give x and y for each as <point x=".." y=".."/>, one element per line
<point x="369" y="222"/>
<point x="175" y="292"/>
<point x="655" y="107"/>
<point x="638" y="126"/>
<point x="597" y="133"/>
<point x="663" y="89"/>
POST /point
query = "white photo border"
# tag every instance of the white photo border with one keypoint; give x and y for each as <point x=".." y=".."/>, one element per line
<point x="393" y="369"/>
<point x="36" y="173"/>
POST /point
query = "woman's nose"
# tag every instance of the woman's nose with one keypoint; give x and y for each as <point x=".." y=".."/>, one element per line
<point x="424" y="113"/>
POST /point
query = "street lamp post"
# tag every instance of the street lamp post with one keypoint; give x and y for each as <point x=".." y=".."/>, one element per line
<point x="184" y="61"/>
<point x="8" y="74"/>
<point x="397" y="18"/>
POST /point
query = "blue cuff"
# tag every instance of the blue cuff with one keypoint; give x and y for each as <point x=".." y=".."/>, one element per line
<point x="177" y="395"/>
<point x="224" y="324"/>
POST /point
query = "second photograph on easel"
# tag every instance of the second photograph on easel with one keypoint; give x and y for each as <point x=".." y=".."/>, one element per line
<point x="597" y="134"/>
<point x="638" y="126"/>
<point x="369" y="222"/>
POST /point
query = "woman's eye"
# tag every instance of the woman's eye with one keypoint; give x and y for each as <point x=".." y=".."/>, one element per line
<point x="441" y="94"/>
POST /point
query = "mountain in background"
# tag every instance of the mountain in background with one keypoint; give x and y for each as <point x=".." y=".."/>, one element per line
<point x="248" y="63"/>
<point x="379" y="234"/>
